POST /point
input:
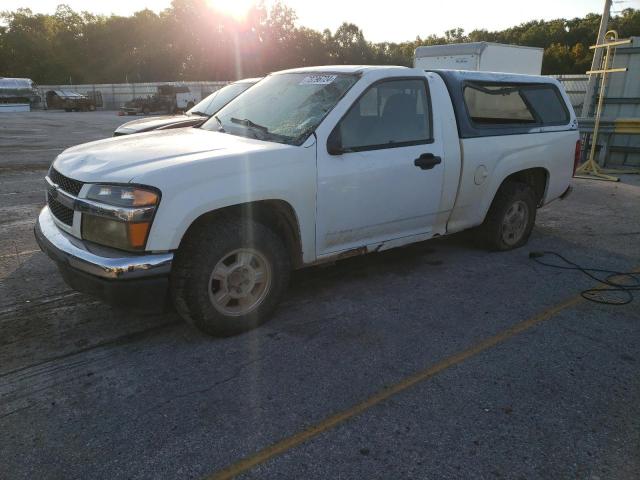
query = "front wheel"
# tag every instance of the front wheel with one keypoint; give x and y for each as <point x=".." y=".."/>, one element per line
<point x="511" y="217"/>
<point x="229" y="275"/>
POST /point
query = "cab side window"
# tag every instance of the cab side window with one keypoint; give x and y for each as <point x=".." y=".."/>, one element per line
<point x="392" y="113"/>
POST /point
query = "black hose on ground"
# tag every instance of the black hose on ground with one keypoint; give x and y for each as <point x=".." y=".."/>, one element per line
<point x="617" y="287"/>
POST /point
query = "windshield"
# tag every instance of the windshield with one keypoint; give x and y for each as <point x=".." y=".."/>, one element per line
<point x="284" y="108"/>
<point x="218" y="99"/>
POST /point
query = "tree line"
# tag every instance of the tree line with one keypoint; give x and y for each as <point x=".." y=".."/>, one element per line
<point x="191" y="41"/>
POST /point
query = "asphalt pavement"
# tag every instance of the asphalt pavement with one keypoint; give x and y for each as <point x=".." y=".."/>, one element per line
<point x="438" y="360"/>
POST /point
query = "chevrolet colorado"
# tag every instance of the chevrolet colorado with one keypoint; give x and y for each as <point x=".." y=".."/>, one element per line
<point x="308" y="166"/>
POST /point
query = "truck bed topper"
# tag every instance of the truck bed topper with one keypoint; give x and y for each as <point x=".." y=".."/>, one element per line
<point x="457" y="80"/>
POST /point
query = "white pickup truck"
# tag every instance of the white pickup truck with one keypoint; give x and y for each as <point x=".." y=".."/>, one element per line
<point x="308" y="166"/>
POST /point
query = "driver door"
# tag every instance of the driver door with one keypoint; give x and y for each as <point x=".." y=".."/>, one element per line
<point x="385" y="182"/>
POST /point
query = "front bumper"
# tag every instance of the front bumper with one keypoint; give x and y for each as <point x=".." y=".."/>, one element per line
<point x="129" y="280"/>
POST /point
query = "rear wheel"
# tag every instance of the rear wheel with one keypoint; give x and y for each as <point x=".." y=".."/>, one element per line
<point x="510" y="219"/>
<point x="229" y="275"/>
<point x="146" y="111"/>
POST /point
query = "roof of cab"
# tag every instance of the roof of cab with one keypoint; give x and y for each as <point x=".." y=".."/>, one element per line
<point x="249" y="80"/>
<point x="346" y="69"/>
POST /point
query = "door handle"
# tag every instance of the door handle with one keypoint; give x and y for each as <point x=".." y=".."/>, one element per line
<point x="427" y="161"/>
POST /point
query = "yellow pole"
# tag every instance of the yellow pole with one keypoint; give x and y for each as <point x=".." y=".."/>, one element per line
<point x="603" y="86"/>
<point x="590" y="168"/>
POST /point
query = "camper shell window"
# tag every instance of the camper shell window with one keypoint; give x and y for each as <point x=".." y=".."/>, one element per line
<point x="548" y="104"/>
<point x="505" y="104"/>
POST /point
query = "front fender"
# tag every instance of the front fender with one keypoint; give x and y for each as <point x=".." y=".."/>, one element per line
<point x="288" y="175"/>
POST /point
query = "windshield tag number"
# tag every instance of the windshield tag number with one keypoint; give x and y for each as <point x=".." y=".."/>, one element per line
<point x="318" y="80"/>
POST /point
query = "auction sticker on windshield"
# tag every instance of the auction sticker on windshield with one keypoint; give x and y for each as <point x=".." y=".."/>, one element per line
<point x="318" y="80"/>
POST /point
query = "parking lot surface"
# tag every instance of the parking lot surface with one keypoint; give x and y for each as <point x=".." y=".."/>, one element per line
<point x="439" y="360"/>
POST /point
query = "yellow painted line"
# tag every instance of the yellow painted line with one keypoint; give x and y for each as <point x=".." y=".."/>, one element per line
<point x="25" y="252"/>
<point x="334" y="420"/>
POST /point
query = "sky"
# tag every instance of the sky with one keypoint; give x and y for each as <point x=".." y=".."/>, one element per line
<point x="392" y="21"/>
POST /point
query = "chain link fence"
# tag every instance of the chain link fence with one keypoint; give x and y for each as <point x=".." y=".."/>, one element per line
<point x="114" y="95"/>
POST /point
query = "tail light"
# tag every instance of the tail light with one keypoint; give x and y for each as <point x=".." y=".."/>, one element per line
<point x="577" y="155"/>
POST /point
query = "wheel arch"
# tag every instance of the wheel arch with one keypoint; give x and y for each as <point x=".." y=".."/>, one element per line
<point x="536" y="177"/>
<point x="276" y="214"/>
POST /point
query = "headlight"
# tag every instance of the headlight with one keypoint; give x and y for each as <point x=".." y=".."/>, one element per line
<point x="123" y="195"/>
<point x="119" y="216"/>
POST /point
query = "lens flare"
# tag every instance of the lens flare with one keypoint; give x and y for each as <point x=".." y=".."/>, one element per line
<point x="238" y="9"/>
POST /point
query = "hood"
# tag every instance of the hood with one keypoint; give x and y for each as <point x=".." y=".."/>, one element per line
<point x="151" y="123"/>
<point x="120" y="159"/>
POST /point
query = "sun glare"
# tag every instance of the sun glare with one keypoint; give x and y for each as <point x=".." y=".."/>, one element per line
<point x="237" y="9"/>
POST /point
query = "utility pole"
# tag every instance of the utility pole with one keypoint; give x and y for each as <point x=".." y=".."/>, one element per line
<point x="597" y="59"/>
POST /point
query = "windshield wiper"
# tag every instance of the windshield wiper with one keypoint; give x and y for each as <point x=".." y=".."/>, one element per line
<point x="245" y="122"/>
<point x="221" y="129"/>
<point x="200" y="114"/>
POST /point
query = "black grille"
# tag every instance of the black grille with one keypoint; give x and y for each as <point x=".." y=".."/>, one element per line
<point x="67" y="184"/>
<point x="62" y="213"/>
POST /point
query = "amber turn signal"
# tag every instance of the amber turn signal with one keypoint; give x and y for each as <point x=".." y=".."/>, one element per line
<point x="138" y="234"/>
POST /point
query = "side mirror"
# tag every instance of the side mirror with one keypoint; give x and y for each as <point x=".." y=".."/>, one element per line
<point x="334" y="142"/>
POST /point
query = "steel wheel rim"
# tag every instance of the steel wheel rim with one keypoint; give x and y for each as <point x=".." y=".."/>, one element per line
<point x="239" y="282"/>
<point x="514" y="222"/>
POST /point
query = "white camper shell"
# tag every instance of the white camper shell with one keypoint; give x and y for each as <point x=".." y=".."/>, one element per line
<point x="480" y="56"/>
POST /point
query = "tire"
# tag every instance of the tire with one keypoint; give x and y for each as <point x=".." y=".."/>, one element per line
<point x="511" y="217"/>
<point x="146" y="111"/>
<point x="220" y="245"/>
<point x="68" y="109"/>
<point x="92" y="108"/>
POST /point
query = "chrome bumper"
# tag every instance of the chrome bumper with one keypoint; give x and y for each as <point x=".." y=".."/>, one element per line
<point x="101" y="262"/>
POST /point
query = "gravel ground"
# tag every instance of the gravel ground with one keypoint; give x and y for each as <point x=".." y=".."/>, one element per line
<point x="501" y="383"/>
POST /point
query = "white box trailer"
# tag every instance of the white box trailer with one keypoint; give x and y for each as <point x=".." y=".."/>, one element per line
<point x="186" y="100"/>
<point x="480" y="56"/>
